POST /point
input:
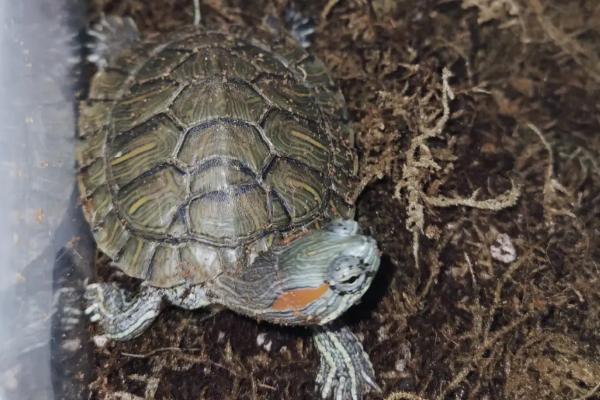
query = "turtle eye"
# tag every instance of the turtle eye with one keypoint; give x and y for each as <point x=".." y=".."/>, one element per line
<point x="344" y="227"/>
<point x="347" y="274"/>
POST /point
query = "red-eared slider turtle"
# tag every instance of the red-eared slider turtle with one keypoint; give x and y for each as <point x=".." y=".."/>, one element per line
<point x="217" y="168"/>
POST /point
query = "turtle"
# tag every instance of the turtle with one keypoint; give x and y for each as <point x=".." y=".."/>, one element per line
<point x="219" y="169"/>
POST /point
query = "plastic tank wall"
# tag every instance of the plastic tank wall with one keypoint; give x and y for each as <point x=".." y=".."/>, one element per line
<point x="40" y="229"/>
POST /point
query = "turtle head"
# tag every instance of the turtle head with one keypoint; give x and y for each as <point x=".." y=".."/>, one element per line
<point x="324" y="273"/>
<point x="310" y="281"/>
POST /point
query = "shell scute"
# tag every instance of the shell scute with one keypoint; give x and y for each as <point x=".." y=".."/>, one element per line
<point x="230" y="215"/>
<point x="162" y="64"/>
<point x="112" y="235"/>
<point x="201" y="40"/>
<point x="218" y="177"/>
<point x="315" y="72"/>
<point x="301" y="189"/>
<point x="297" y="139"/>
<point x="92" y="177"/>
<point x="200" y="261"/>
<point x="149" y="145"/>
<point x="136" y="256"/>
<point x="107" y="83"/>
<point x="200" y="102"/>
<point x="97" y="206"/>
<point x="214" y="62"/>
<point x="262" y="59"/>
<point x="149" y="203"/>
<point x="237" y="142"/>
<point x="166" y="266"/>
<point x="144" y="102"/>
<point x="290" y="95"/>
<point x="94" y="116"/>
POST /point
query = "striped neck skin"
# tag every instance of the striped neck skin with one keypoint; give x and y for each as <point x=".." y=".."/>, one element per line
<point x="311" y="281"/>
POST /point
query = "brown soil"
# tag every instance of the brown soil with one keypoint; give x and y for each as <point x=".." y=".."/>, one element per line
<point x="459" y="324"/>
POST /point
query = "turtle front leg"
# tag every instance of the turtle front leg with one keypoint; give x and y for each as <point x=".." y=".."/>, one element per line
<point x="122" y="318"/>
<point x="345" y="369"/>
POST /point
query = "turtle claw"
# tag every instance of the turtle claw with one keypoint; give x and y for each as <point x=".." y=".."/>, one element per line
<point x="95" y="317"/>
<point x="104" y="299"/>
<point x="345" y="371"/>
<point x="65" y="304"/>
<point x="98" y="308"/>
<point x="110" y="36"/>
<point x="301" y="27"/>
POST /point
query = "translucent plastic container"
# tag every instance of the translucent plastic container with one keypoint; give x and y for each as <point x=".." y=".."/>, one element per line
<point x="46" y="250"/>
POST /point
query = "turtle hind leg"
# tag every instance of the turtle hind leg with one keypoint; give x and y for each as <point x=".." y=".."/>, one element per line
<point x="110" y="36"/>
<point x="345" y="370"/>
<point x="301" y="27"/>
<point x="294" y="23"/>
<point x="122" y="318"/>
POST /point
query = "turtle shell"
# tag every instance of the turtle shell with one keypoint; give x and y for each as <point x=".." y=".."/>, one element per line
<point x="200" y="148"/>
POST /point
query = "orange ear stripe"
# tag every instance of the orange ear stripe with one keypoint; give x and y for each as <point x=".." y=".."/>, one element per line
<point x="299" y="298"/>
